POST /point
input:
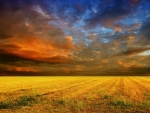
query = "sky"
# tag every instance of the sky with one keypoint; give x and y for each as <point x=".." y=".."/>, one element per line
<point x="75" y="37"/>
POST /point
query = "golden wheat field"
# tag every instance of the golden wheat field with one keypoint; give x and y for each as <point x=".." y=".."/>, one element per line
<point x="75" y="94"/>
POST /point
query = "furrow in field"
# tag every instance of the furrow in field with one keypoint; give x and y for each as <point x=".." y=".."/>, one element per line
<point x="119" y="87"/>
<point x="54" y="83"/>
<point x="144" y="90"/>
<point x="68" y="86"/>
<point x="92" y="88"/>
<point x="61" y="85"/>
<point x="109" y="87"/>
<point x="144" y="82"/>
<point x="76" y="90"/>
<point x="131" y="90"/>
<point x="42" y="87"/>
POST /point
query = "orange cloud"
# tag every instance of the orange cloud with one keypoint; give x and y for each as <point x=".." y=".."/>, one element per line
<point x="26" y="38"/>
<point x="22" y="69"/>
<point x="105" y="61"/>
<point x="66" y="70"/>
<point x="120" y="63"/>
<point x="132" y="66"/>
<point x="38" y="48"/>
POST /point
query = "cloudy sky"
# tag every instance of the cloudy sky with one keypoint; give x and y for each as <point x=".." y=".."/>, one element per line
<point x="74" y="37"/>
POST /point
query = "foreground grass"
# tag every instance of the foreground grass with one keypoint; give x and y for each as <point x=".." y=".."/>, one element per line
<point x="113" y="104"/>
<point x="77" y="95"/>
<point x="21" y="101"/>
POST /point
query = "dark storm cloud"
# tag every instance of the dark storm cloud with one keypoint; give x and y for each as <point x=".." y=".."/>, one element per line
<point x="139" y="71"/>
<point x="4" y="36"/>
<point x="111" y="13"/>
<point x="10" y="58"/>
<point x="105" y="12"/>
<point x="16" y="5"/>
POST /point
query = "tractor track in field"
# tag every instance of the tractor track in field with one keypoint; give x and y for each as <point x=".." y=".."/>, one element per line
<point x="109" y="86"/>
<point x="69" y="87"/>
<point x="100" y="86"/>
<point x="128" y="87"/>
<point x="76" y="90"/>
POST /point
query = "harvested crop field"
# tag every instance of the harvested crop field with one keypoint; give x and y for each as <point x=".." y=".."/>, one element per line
<point x="75" y="94"/>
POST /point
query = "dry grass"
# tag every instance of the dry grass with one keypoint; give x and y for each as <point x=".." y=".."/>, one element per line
<point x="74" y="94"/>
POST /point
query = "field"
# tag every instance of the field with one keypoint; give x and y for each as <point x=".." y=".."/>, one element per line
<point x="75" y="94"/>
